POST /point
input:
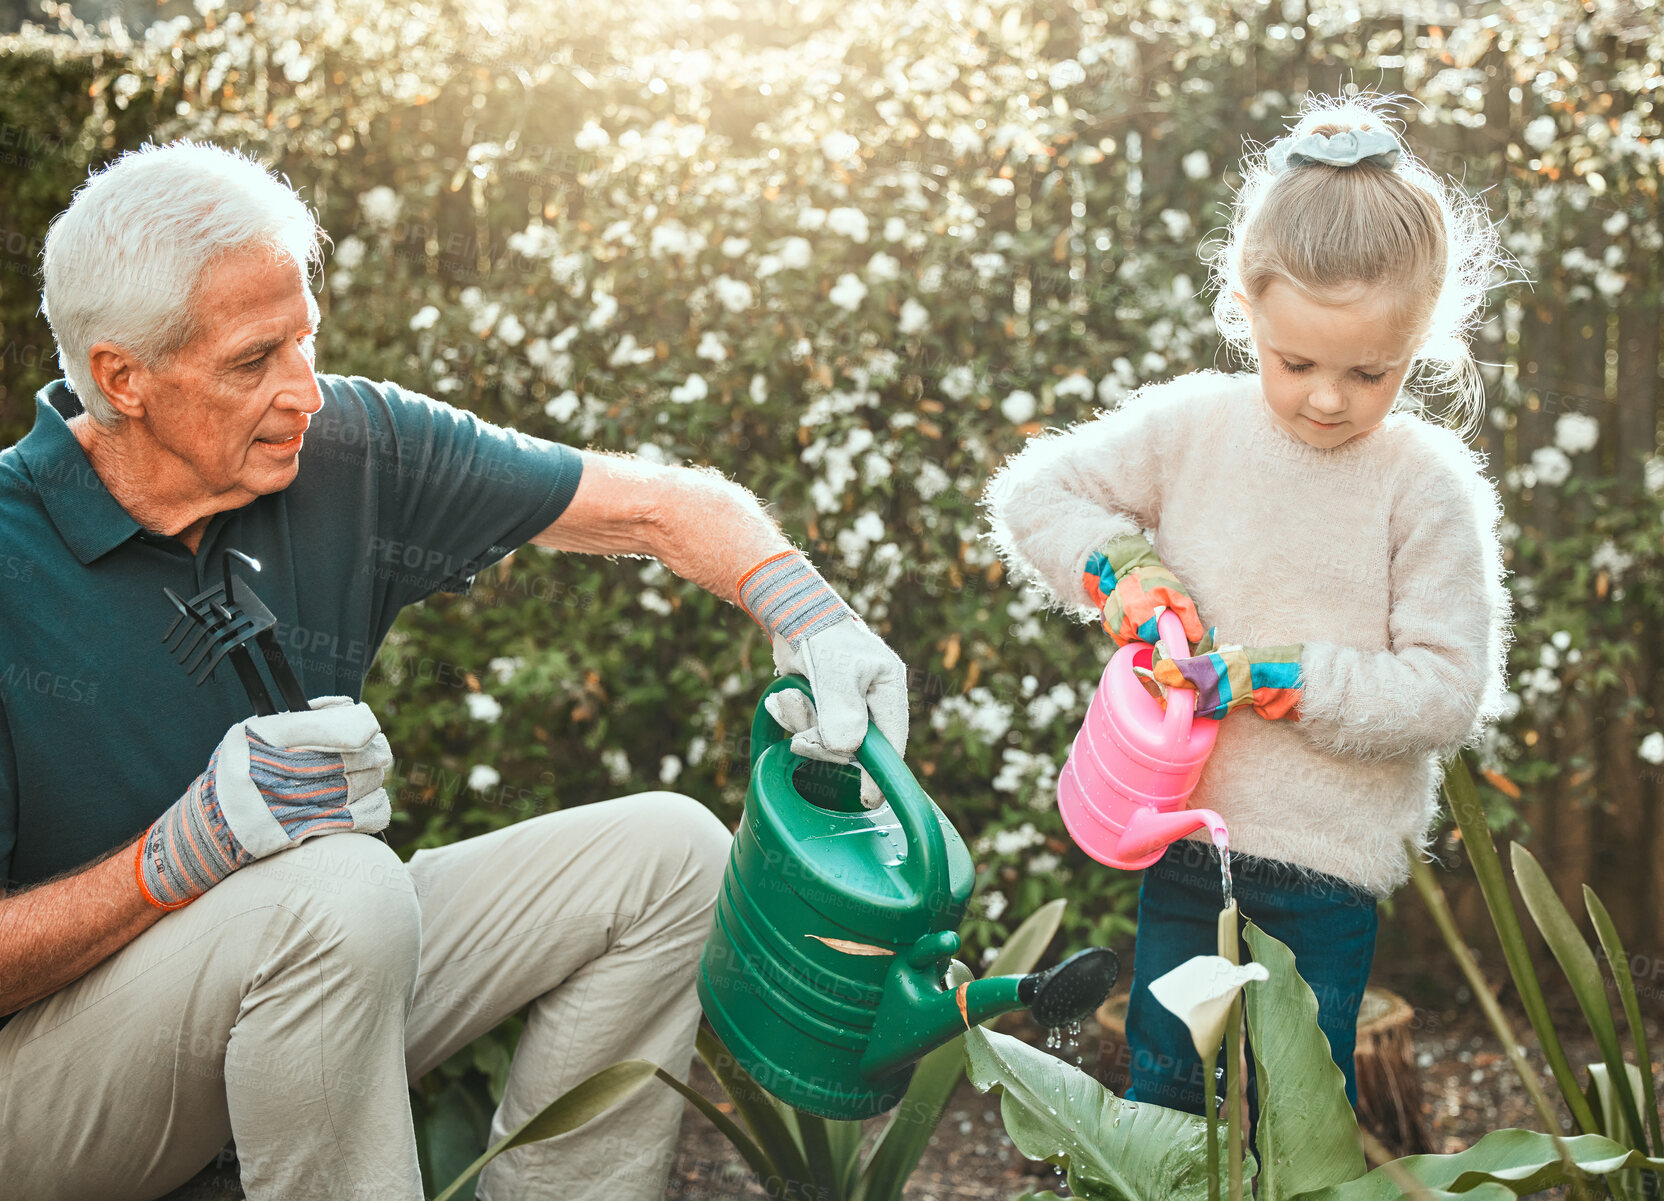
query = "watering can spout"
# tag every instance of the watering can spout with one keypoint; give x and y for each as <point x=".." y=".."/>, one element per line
<point x="918" y="1014"/>
<point x="1151" y="829"/>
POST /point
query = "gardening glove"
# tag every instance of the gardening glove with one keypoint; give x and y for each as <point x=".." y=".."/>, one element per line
<point x="1132" y="587"/>
<point x="1230" y="677"/>
<point x="273" y="781"/>
<point x="854" y="676"/>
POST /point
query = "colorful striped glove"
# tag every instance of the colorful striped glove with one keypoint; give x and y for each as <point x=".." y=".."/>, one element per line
<point x="854" y="675"/>
<point x="272" y="782"/>
<point x="1131" y="586"/>
<point x="1230" y="677"/>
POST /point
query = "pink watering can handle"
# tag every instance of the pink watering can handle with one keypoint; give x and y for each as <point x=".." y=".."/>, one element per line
<point x="1175" y="727"/>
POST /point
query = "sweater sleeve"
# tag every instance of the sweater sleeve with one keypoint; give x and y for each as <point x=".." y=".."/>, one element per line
<point x="1444" y="677"/>
<point x="1068" y="492"/>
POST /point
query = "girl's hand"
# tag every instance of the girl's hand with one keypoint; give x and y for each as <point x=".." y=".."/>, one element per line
<point x="1230" y="677"/>
<point x="1132" y="586"/>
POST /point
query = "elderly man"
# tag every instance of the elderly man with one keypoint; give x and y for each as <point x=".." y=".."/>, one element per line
<point x="202" y="937"/>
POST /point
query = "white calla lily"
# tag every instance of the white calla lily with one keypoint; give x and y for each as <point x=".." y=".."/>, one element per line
<point x="1199" y="993"/>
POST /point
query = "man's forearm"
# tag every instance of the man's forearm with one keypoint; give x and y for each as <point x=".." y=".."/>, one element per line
<point x="56" y="932"/>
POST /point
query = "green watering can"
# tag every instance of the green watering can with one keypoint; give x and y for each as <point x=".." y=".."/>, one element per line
<point x="824" y="970"/>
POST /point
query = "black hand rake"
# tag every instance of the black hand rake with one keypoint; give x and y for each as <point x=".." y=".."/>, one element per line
<point x="221" y="621"/>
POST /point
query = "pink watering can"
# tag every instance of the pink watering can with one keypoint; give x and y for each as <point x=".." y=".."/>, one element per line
<point x="1133" y="766"/>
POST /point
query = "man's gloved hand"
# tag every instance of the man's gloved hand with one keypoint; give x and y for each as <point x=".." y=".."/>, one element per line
<point x="1232" y="677"/>
<point x="853" y="674"/>
<point x="1131" y="585"/>
<point x="272" y="782"/>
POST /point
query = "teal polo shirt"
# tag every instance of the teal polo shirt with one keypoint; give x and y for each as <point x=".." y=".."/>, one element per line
<point x="398" y="496"/>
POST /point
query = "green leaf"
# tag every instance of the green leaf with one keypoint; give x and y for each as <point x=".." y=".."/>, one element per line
<point x="743" y="1142"/>
<point x="827" y="1171"/>
<point x="1111" y="1149"/>
<point x="1463" y="799"/>
<point x="905" y="1137"/>
<point x="757" y="1108"/>
<point x="1619" y="960"/>
<point x="455" y="1130"/>
<point x="1307" y="1133"/>
<point x="1577" y="961"/>
<point x="585" y="1100"/>
<point x="1523" y="1161"/>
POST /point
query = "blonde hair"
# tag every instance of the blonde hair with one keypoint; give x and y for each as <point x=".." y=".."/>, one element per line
<point x="1327" y="230"/>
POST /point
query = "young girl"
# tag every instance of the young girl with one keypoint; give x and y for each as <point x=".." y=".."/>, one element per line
<point x="1342" y="548"/>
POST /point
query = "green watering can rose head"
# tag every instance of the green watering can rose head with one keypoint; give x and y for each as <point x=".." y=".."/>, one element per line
<point x="824" y="969"/>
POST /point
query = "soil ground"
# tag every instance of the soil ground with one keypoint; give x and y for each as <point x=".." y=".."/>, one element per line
<point x="1468" y="1089"/>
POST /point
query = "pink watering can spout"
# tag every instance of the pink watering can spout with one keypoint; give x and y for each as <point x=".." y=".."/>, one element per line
<point x="1123" y="791"/>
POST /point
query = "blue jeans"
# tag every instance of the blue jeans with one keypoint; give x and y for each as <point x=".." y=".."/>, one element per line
<point x="1328" y="923"/>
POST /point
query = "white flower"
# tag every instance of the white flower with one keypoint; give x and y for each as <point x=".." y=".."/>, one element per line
<point x="563" y="406"/>
<point x="794" y="252"/>
<point x="381" y="205"/>
<point x="1610" y="559"/>
<point x="504" y="667"/>
<point x="628" y="354"/>
<point x="1010" y="842"/>
<point x="1615" y="224"/>
<point x="483" y="707"/>
<point x="732" y="294"/>
<point x="1653" y="472"/>
<point x="510" y="331"/>
<point x="1177" y="222"/>
<point x="850" y="222"/>
<point x="606" y="307"/>
<point x="998" y="185"/>
<point x="734" y="247"/>
<point x="1551" y="465"/>
<point x="1610" y="283"/>
<point x="690" y="390"/>
<point x="591" y="138"/>
<point x="914" y="317"/>
<point x="993" y="904"/>
<point x="350" y="253"/>
<point x="1065" y="74"/>
<point x="883" y="268"/>
<point x="1652" y="748"/>
<point x="811" y="218"/>
<point x="1043" y="864"/>
<point x="769" y="264"/>
<point x="931" y="481"/>
<point x="957" y="382"/>
<point x="711" y="347"/>
<point x="617" y="764"/>
<point x="482" y="778"/>
<point x="1540" y="134"/>
<point x="425" y="317"/>
<point x="1199" y="993"/>
<point x="895" y="229"/>
<point x="1075" y="385"/>
<point x="669" y="768"/>
<point x="654" y="603"/>
<point x="839" y="146"/>
<point x="1196" y="164"/>
<point x="1018" y="407"/>
<point x="848" y="292"/>
<point x="759" y="388"/>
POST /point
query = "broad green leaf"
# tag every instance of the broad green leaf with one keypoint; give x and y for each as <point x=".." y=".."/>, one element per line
<point x="1307" y="1133"/>
<point x="826" y="1170"/>
<point x="1469" y="813"/>
<point x="1619" y="960"/>
<point x="1524" y="1161"/>
<point x="457" y="1128"/>
<point x="902" y="1144"/>
<point x="1577" y="961"/>
<point x="845" y="1138"/>
<point x="1111" y="1149"/>
<point x="758" y="1110"/>
<point x="585" y="1100"/>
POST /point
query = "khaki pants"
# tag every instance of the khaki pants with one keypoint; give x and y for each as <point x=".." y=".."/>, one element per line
<point x="290" y="1005"/>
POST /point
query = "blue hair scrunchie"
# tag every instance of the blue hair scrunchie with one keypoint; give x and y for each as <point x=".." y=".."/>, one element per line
<point x="1344" y="149"/>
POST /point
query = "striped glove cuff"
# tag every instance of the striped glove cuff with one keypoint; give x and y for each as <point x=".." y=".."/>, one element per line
<point x="787" y="597"/>
<point x="190" y="848"/>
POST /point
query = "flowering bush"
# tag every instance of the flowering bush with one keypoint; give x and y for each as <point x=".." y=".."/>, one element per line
<point x="852" y="254"/>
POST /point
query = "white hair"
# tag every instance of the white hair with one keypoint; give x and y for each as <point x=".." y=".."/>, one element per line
<point x="123" y="262"/>
<point x="1324" y="228"/>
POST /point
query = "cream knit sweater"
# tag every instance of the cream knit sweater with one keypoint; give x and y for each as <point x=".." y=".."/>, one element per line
<point x="1380" y="555"/>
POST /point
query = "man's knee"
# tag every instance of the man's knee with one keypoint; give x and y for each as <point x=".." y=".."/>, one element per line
<point x="692" y="840"/>
<point x="355" y="901"/>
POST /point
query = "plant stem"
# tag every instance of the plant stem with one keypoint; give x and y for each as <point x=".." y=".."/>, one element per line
<point x="1212" y="1105"/>
<point x="1434" y="897"/>
<point x="1234" y="1084"/>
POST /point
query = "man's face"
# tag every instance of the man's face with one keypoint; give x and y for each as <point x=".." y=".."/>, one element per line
<point x="1329" y="371"/>
<point x="232" y="407"/>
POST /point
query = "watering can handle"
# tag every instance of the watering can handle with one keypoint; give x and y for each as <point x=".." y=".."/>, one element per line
<point x="927" y="856"/>
<point x="1175" y="727"/>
